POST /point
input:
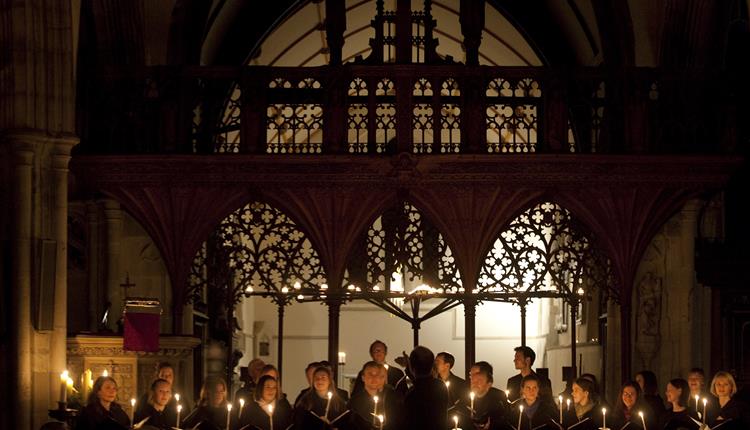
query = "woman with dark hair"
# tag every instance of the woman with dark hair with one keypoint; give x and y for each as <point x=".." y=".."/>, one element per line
<point x="678" y="416"/>
<point x="650" y="389"/>
<point x="629" y="407"/>
<point x="211" y="411"/>
<point x="538" y="412"/>
<point x="271" y="370"/>
<point x="156" y="408"/>
<point x="267" y="407"/>
<point x="101" y="411"/>
<point x="586" y="413"/>
<point x="314" y="410"/>
<point x="734" y="412"/>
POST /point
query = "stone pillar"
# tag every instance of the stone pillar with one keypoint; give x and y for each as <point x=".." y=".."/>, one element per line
<point x="23" y="159"/>
<point x="94" y="297"/>
<point x="60" y="156"/>
<point x="113" y="228"/>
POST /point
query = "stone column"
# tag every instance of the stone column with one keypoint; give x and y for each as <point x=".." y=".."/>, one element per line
<point x="23" y="159"/>
<point x="113" y="226"/>
<point x="94" y="297"/>
<point x="60" y="156"/>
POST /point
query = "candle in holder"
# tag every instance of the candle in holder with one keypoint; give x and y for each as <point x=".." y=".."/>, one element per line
<point x="270" y="415"/>
<point x="520" y="414"/>
<point x="132" y="410"/>
<point x="471" y="404"/>
<point x="560" y="399"/>
<point x="328" y="404"/>
<point x="604" y="418"/>
<point x="455" y="422"/>
<point x="64" y="387"/>
<point x="242" y="406"/>
<point x="179" y="409"/>
<point x="643" y="420"/>
<point x="229" y="414"/>
<point x="705" y="401"/>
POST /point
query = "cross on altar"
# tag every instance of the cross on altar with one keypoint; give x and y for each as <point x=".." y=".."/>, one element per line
<point x="126" y="285"/>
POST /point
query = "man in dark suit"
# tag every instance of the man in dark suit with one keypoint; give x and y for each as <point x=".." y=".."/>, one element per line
<point x="457" y="387"/>
<point x="395" y="378"/>
<point x="427" y="401"/>
<point x="523" y="360"/>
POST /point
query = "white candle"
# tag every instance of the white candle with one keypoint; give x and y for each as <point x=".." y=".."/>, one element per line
<point x="179" y="409"/>
<point x="560" y="399"/>
<point x="229" y="414"/>
<point x="471" y="405"/>
<point x="696" y="403"/>
<point x="705" y="401"/>
<point x="342" y="358"/>
<point x="105" y="373"/>
<point x="328" y="404"/>
<point x="64" y="387"/>
<point x="242" y="406"/>
<point x="381" y="418"/>
<point x="643" y="421"/>
<point x="568" y="402"/>
<point x="604" y="418"/>
<point x="520" y="414"/>
<point x="375" y="411"/>
<point x="507" y="395"/>
<point x="132" y="410"/>
<point x="455" y="422"/>
<point x="270" y="415"/>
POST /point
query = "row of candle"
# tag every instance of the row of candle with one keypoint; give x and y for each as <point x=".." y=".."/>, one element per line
<point x="67" y="384"/>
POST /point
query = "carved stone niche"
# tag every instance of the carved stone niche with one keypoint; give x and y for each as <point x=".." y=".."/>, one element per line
<point x="133" y="371"/>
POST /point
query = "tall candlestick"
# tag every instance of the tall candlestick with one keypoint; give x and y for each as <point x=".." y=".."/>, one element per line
<point x="328" y="404"/>
<point x="242" y="406"/>
<point x="270" y="415"/>
<point x="132" y="410"/>
<point x="705" y="401"/>
<point x="520" y="414"/>
<point x="455" y="422"/>
<point x="560" y="399"/>
<point x="471" y="404"/>
<point x="229" y="414"/>
<point x="64" y="387"/>
<point x="643" y="421"/>
<point x="179" y="409"/>
<point x="604" y="418"/>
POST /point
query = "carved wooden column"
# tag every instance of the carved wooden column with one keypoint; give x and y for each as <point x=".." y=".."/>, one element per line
<point x="335" y="27"/>
<point x="334" y="318"/>
<point x="470" y="313"/>
<point x="471" y="17"/>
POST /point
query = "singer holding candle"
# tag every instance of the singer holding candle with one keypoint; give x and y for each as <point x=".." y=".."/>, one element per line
<point x="159" y="414"/>
<point x="455" y="386"/>
<point x="266" y="398"/>
<point x="586" y="411"/>
<point x="314" y="408"/>
<point x="678" y="415"/>
<point x="390" y="402"/>
<point x="537" y="412"/>
<point x="627" y="407"/>
<point x="724" y="387"/>
<point x="211" y="409"/>
<point x="102" y="412"/>
<point x="490" y="404"/>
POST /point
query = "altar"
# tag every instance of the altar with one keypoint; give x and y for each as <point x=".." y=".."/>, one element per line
<point x="133" y="371"/>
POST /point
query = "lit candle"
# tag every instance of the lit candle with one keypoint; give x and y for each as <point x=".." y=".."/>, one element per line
<point x="270" y="415"/>
<point x="604" y="418"/>
<point x="507" y="395"/>
<point x="342" y="358"/>
<point x="568" y="402"/>
<point x="696" y="403"/>
<point x="375" y="411"/>
<point x="105" y="373"/>
<point x="229" y="414"/>
<point x="455" y="422"/>
<point x="560" y="399"/>
<point x="520" y="414"/>
<point x="242" y="406"/>
<point x="69" y="385"/>
<point x="705" y="401"/>
<point x="471" y="405"/>
<point x="386" y="367"/>
<point x="448" y="385"/>
<point x="64" y="387"/>
<point x="177" y="397"/>
<point x="328" y="404"/>
<point x="179" y="409"/>
<point x="132" y="411"/>
<point x="643" y="420"/>
<point x="381" y="418"/>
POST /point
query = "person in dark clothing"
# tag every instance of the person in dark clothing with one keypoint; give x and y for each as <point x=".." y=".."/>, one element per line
<point x="321" y="407"/>
<point x="374" y="400"/>
<point x="629" y="407"/>
<point x="678" y="416"/>
<point x="698" y="391"/>
<point x="586" y="413"/>
<point x="427" y="401"/>
<point x="101" y="411"/>
<point x="211" y="411"/>
<point x="309" y="376"/>
<point x="485" y="407"/>
<point x="523" y="359"/>
<point x="249" y="377"/>
<point x="159" y="415"/>
<point x="164" y="371"/>
<point x="650" y="389"/>
<point x="455" y="386"/>
<point x="731" y="410"/>
<point x="266" y="407"/>
<point x="536" y="413"/>
<point x="396" y="377"/>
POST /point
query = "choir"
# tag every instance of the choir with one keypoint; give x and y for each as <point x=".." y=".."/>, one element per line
<point x="427" y="395"/>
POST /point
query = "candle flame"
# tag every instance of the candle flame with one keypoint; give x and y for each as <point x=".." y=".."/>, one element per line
<point x="177" y="397"/>
<point x="132" y="403"/>
<point x="270" y="409"/>
<point x="242" y="403"/>
<point x="229" y="406"/>
<point x="330" y="394"/>
<point x="520" y="408"/>
<point x="105" y="373"/>
<point x="64" y="376"/>
<point x="381" y="418"/>
<point x="447" y="384"/>
<point x="179" y="408"/>
<point x="705" y="400"/>
<point x="604" y="410"/>
<point x="455" y="419"/>
<point x="375" y="399"/>
<point x="640" y="414"/>
<point x="471" y="395"/>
